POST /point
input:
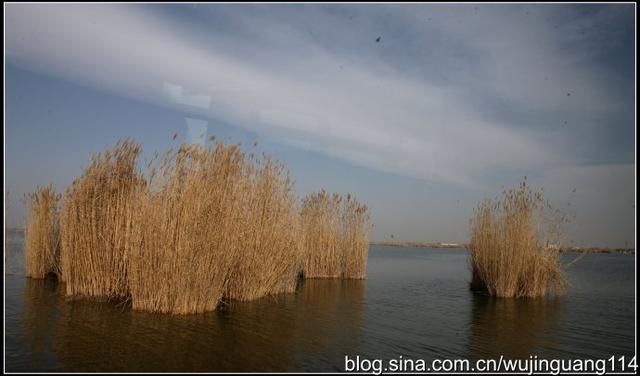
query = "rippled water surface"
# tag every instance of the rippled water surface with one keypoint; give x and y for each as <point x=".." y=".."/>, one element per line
<point x="414" y="303"/>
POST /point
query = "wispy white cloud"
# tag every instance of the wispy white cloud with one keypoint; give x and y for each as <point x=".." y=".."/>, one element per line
<point x="318" y="80"/>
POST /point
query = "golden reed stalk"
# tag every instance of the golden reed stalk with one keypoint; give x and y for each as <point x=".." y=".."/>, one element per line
<point x="270" y="256"/>
<point x="188" y="224"/>
<point x="321" y="227"/>
<point x="97" y="224"/>
<point x="335" y="236"/>
<point x="354" y="239"/>
<point x="510" y="256"/>
<point x="42" y="240"/>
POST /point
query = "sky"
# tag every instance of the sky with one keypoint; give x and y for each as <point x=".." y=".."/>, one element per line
<point x="452" y="104"/>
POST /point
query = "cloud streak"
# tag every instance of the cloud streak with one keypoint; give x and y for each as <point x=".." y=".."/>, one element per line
<point x="425" y="102"/>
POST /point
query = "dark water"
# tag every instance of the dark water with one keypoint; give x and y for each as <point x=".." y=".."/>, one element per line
<point x="415" y="303"/>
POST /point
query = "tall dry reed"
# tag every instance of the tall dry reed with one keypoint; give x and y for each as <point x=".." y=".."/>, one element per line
<point x="189" y="222"/>
<point x="214" y="223"/>
<point x="270" y="255"/>
<point x="97" y="224"/>
<point x="354" y="238"/>
<point x="510" y="256"/>
<point x="42" y="241"/>
<point x="320" y="217"/>
<point x="335" y="236"/>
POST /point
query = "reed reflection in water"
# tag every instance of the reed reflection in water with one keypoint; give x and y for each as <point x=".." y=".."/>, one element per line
<point x="515" y="328"/>
<point x="414" y="302"/>
<point x="281" y="333"/>
<point x="41" y="313"/>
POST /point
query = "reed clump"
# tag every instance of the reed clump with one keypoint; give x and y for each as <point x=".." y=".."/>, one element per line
<point x="269" y="251"/>
<point x="320" y="217"/>
<point x="42" y="244"/>
<point x="190" y="220"/>
<point x="202" y="224"/>
<point x="354" y="238"/>
<point x="335" y="236"/>
<point x="509" y="246"/>
<point x="97" y="224"/>
<point x="214" y="223"/>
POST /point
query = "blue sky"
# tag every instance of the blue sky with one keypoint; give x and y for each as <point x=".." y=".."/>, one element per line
<point x="453" y="103"/>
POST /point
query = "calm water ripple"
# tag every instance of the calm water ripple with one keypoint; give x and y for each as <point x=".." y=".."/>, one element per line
<point x="415" y="303"/>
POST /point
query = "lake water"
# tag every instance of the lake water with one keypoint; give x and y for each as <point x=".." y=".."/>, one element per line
<point x="414" y="303"/>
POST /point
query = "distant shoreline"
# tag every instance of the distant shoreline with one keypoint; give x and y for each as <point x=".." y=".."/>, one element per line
<point x="464" y="246"/>
<point x="418" y="244"/>
<point x="627" y="251"/>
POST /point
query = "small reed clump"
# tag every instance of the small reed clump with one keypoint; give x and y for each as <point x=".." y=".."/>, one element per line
<point x="510" y="256"/>
<point x="189" y="222"/>
<point x="335" y="236"/>
<point x="354" y="239"/>
<point x="42" y="243"/>
<point x="97" y="225"/>
<point x="270" y="256"/>
<point x="214" y="224"/>
<point x="320" y="216"/>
